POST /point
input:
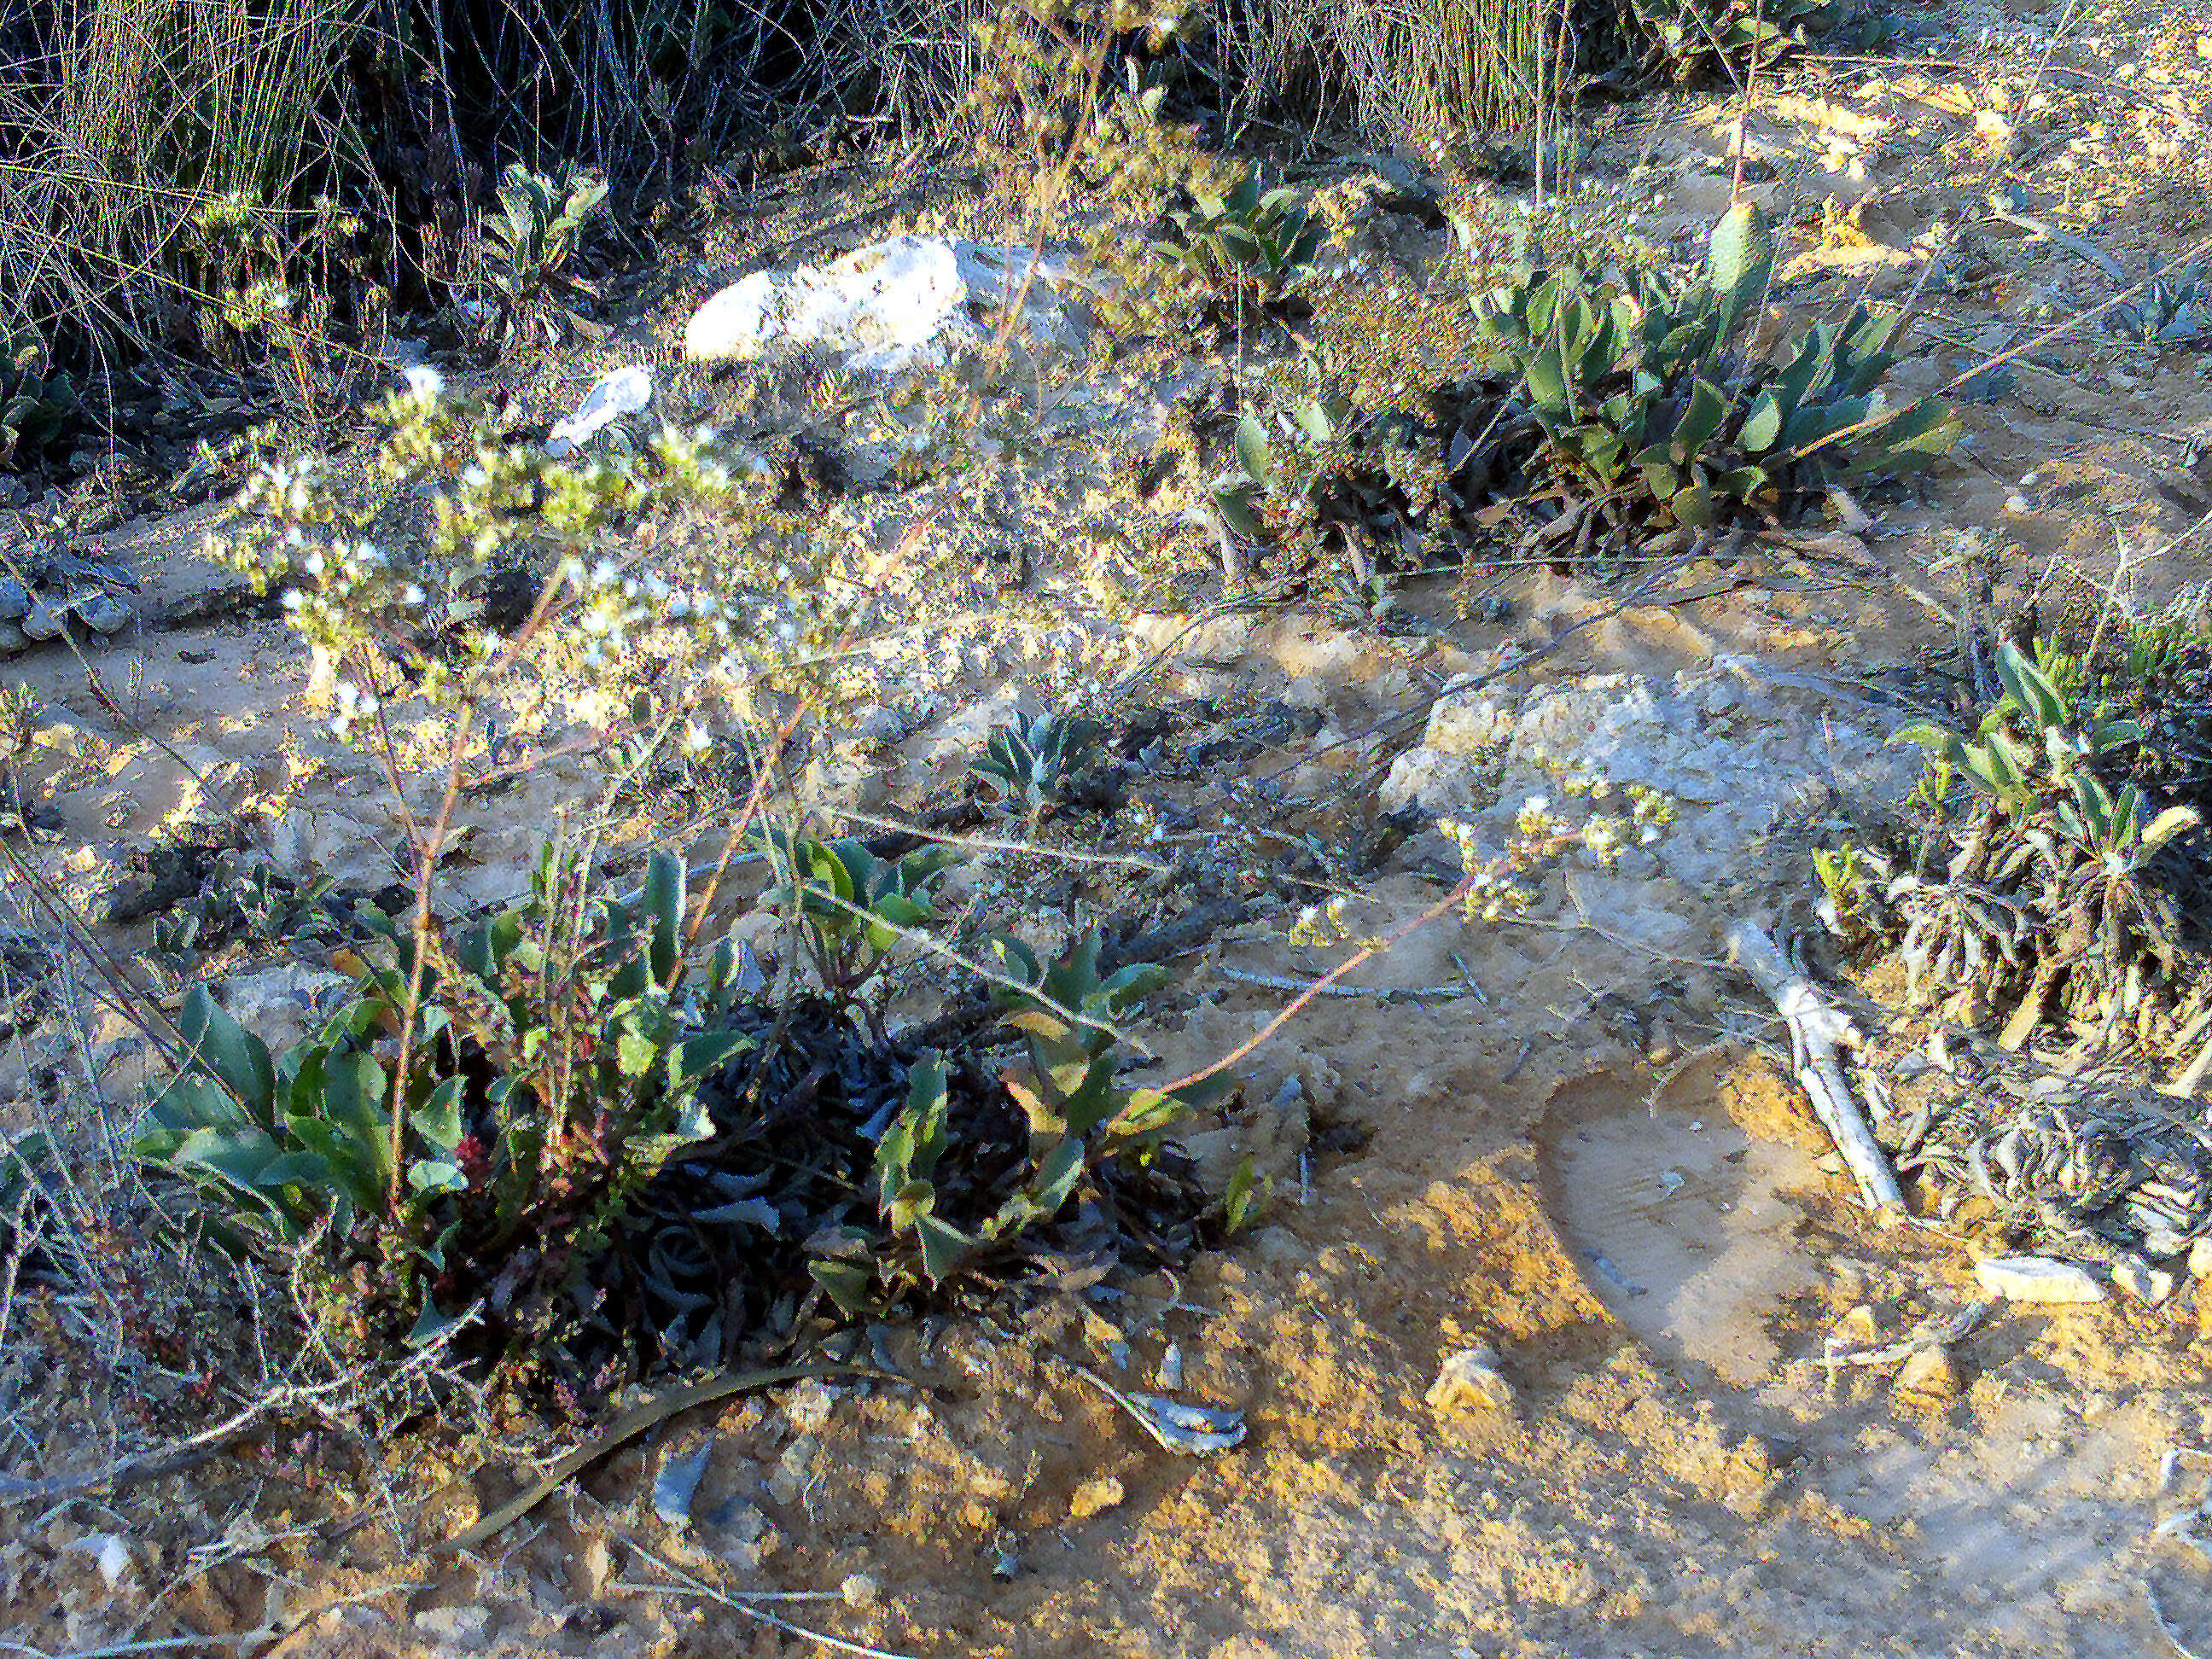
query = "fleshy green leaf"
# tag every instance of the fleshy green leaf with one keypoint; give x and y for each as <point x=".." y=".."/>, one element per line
<point x="228" y="1052"/>
<point x="1739" y="263"/>
<point x="438" y="1119"/>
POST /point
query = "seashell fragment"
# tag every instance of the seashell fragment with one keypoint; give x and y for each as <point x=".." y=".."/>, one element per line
<point x="678" y="1482"/>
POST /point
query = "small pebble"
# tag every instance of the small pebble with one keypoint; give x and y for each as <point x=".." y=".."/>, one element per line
<point x="1858" y="1327"/>
<point x="679" y="1482"/>
<point x="860" y="1589"/>
<point x="452" y="1623"/>
<point x="1929" y="1378"/>
<point x="1094" y="1497"/>
<point x="42" y="622"/>
<point x="1169" y="1375"/>
<point x="14" y="599"/>
<point x="1470" y="1379"/>
<point x="2200" y="1258"/>
<point x="808" y="1404"/>
<point x="2147" y="1284"/>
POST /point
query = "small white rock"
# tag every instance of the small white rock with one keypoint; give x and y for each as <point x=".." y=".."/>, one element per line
<point x="808" y="1404"/>
<point x="464" y="1622"/>
<point x="621" y="392"/>
<point x="2147" y="1284"/>
<point x="2200" y="1258"/>
<point x="1470" y="1379"/>
<point x="2037" y="1279"/>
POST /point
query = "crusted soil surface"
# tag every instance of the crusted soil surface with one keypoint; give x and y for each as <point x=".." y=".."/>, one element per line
<point x="1579" y="1146"/>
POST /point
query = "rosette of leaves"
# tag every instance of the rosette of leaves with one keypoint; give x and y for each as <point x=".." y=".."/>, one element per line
<point x="1030" y="764"/>
<point x="1243" y="246"/>
<point x="554" y="1059"/>
<point x="35" y="403"/>
<point x="540" y="218"/>
<point x="1087" y="1128"/>
<point x="2176" y="305"/>
<point x="850" y="906"/>
<point x="1690" y="35"/>
<point x="1319" y="474"/>
<point x="2053" y="889"/>
<point x="1646" y="404"/>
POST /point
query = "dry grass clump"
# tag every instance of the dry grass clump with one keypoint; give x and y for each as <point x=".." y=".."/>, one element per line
<point x="136" y="125"/>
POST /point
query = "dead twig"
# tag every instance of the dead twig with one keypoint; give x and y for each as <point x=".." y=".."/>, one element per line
<point x="1815" y="1031"/>
<point x="687" y="1584"/>
<point x="1941" y="1336"/>
<point x="1382" y="992"/>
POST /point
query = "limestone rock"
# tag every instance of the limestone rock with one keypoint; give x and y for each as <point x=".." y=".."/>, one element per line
<point x="2037" y="1279"/>
<point x="893" y="306"/>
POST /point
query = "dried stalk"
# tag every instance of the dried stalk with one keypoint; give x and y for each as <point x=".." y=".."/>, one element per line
<point x="1815" y="1029"/>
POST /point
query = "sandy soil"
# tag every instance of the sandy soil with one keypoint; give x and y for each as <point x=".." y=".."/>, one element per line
<point x="1593" y="1165"/>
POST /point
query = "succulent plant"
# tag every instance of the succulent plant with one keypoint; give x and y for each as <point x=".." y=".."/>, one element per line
<point x="540" y="219"/>
<point x="1030" y="763"/>
<point x="1245" y="243"/>
<point x="1657" y="378"/>
<point x="35" y="403"/>
<point x="2176" y="305"/>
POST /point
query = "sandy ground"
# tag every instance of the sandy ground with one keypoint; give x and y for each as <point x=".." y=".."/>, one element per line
<point x="1593" y="1166"/>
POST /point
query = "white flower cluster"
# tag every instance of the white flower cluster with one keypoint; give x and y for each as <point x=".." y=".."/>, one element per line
<point x="353" y="706"/>
<point x="1320" y="925"/>
<point x="296" y="491"/>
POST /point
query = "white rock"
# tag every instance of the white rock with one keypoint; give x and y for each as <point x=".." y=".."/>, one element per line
<point x="2147" y="1284"/>
<point x="2037" y="1279"/>
<point x="464" y="1622"/>
<point x="113" y="1554"/>
<point x="620" y="391"/>
<point x="1468" y="1380"/>
<point x="892" y="306"/>
<point x="2200" y="1258"/>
